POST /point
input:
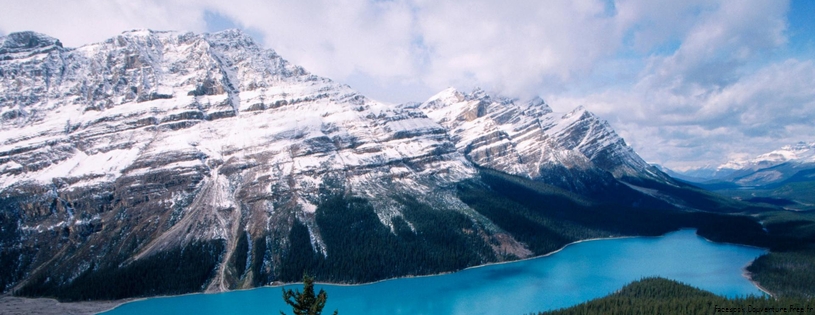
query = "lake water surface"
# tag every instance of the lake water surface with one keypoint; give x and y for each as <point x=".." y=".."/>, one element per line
<point x="578" y="273"/>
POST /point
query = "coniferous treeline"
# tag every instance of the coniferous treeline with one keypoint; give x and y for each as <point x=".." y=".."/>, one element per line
<point x="426" y="240"/>
<point x="178" y="271"/>
<point x="544" y="218"/>
<point x="527" y="210"/>
<point x="663" y="296"/>
<point x="241" y="254"/>
<point x="786" y="273"/>
<point x="11" y="253"/>
<point x="789" y="268"/>
<point x="361" y="249"/>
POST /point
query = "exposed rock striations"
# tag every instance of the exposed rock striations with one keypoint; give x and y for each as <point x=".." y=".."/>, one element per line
<point x="574" y="150"/>
<point x="153" y="142"/>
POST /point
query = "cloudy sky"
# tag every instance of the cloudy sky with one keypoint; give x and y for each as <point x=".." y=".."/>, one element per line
<point x="687" y="83"/>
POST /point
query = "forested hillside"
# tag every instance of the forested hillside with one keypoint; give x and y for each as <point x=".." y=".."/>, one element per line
<point x="663" y="296"/>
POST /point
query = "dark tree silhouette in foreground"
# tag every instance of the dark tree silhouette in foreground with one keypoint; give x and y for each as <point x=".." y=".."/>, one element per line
<point x="306" y="303"/>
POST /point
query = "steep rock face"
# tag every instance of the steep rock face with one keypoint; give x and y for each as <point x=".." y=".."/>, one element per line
<point x="203" y="152"/>
<point x="574" y="150"/>
<point x="113" y="152"/>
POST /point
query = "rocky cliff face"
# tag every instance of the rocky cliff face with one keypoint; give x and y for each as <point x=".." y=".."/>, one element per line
<point x="152" y="140"/>
<point x="574" y="150"/>
<point x="115" y="152"/>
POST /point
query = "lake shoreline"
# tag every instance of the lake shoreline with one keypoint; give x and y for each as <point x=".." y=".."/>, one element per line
<point x="746" y="274"/>
<point x="282" y="284"/>
<point x="49" y="306"/>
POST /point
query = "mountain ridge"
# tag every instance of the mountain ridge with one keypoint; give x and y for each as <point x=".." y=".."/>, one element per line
<point x="801" y="153"/>
<point x="783" y="178"/>
<point x="209" y="154"/>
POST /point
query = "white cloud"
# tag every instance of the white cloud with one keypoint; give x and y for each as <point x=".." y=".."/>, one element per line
<point x="652" y="24"/>
<point x="333" y="38"/>
<point x="783" y="91"/>
<point x="514" y="48"/>
<point x="759" y="112"/>
<point x="724" y="38"/>
<point x="717" y="94"/>
<point x="81" y="22"/>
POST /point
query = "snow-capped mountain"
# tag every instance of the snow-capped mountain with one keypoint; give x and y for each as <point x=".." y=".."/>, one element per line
<point x="783" y="177"/>
<point x="767" y="168"/>
<point x="526" y="138"/>
<point x="152" y="143"/>
<point x="208" y="135"/>
<point x="800" y="152"/>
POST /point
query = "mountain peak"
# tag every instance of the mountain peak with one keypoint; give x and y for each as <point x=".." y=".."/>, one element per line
<point x="140" y="32"/>
<point x="801" y="152"/>
<point x="449" y="94"/>
<point x="537" y="101"/>
<point x="175" y="138"/>
<point x="27" y="41"/>
<point x="800" y="146"/>
<point x="479" y="93"/>
<point x="526" y="138"/>
<point x="443" y="99"/>
<point x="580" y="112"/>
<point x="234" y="35"/>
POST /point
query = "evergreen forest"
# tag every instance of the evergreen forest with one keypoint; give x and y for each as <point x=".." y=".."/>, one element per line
<point x="668" y="297"/>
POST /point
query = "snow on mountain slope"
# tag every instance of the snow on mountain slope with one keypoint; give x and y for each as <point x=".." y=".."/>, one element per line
<point x="757" y="170"/>
<point x="128" y="103"/>
<point x="800" y="152"/>
<point x="119" y="151"/>
<point x="526" y="138"/>
<point x="208" y="136"/>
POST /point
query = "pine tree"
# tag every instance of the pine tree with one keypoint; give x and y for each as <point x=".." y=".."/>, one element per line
<point x="306" y="303"/>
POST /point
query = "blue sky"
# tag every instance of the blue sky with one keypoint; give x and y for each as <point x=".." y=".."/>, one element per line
<point x="686" y="83"/>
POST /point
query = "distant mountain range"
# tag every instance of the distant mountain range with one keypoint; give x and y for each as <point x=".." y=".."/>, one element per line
<point x="166" y="162"/>
<point x="784" y="177"/>
<point x="801" y="153"/>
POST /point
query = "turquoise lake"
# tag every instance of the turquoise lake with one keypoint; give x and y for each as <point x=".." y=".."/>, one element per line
<point x="578" y="273"/>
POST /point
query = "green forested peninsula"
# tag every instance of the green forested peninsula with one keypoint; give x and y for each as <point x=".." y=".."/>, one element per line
<point x="663" y="296"/>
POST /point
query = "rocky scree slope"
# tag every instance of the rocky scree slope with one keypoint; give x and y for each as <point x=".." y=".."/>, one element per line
<point x="209" y="156"/>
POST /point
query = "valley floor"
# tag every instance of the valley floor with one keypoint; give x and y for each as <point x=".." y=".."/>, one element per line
<point x="13" y="305"/>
